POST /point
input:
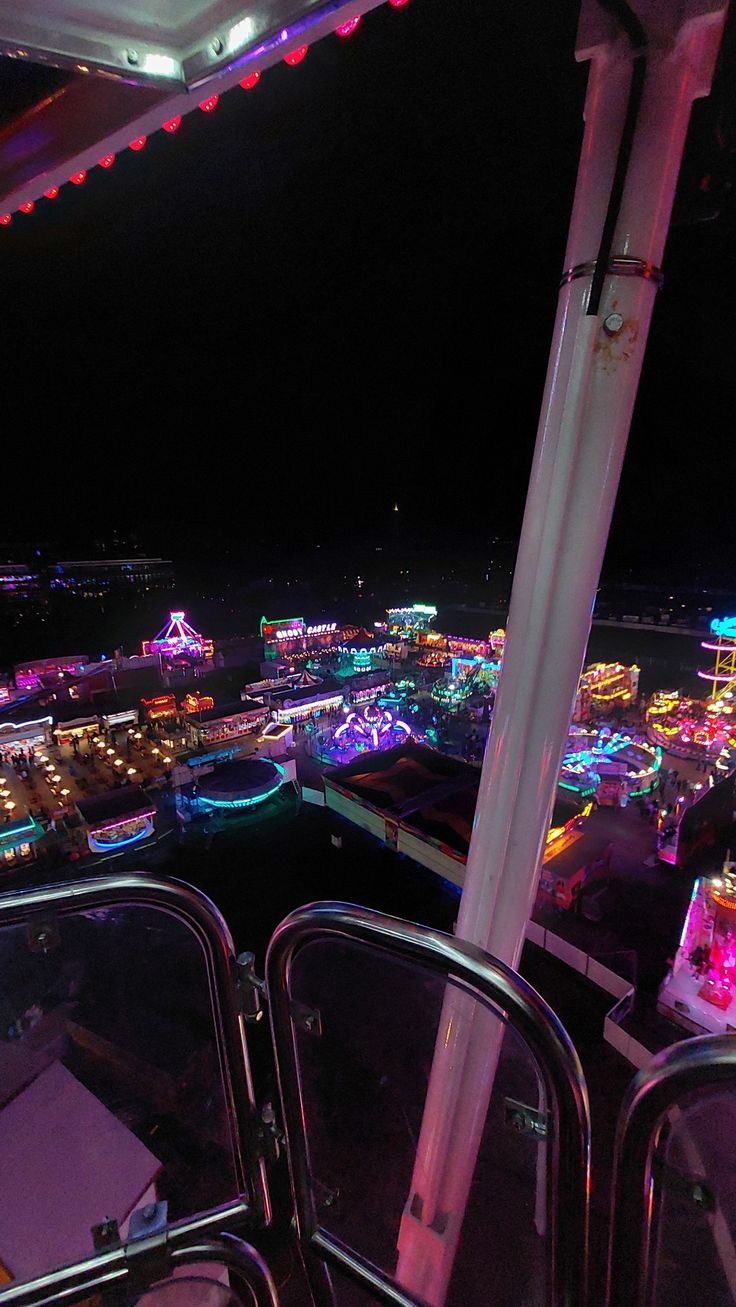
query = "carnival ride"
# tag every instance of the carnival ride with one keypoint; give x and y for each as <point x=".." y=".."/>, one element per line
<point x="609" y="764"/>
<point x="701" y="729"/>
<point x="243" y="783"/>
<point x="178" y="639"/>
<point x="365" y="731"/>
<point x="467" y="676"/>
<point x="605" y="687"/>
<point x="699" y="991"/>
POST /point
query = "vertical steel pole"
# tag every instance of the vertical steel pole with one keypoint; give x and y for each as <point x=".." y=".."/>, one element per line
<point x="592" y="380"/>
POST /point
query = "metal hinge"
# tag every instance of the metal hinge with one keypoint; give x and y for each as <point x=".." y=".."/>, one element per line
<point x="269" y="1135"/>
<point x="147" y="1255"/>
<point x="526" y="1120"/>
<point x="306" y="1018"/>
<point x="698" y="1192"/>
<point x="42" y="933"/>
<point x="251" y="989"/>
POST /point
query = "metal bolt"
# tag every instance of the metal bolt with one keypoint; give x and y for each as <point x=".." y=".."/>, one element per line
<point x="132" y="56"/>
<point x="43" y="938"/>
<point x="149" y="1212"/>
<point x="613" y="324"/>
<point x="216" y="46"/>
<point x="309" y="1023"/>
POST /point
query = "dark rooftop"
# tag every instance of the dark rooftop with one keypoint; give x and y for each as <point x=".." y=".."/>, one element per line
<point x="434" y="794"/>
<point x="128" y="801"/>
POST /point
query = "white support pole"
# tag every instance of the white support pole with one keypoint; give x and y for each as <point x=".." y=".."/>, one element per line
<point x="592" y="380"/>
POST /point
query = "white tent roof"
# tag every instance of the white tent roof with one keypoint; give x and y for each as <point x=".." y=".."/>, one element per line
<point x="67" y="1164"/>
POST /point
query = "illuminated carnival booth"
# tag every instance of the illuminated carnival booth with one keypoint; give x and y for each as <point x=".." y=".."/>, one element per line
<point x="115" y="820"/>
<point x="363" y="731"/>
<point x="225" y="723"/>
<point x="194" y="703"/>
<point x="161" y="707"/>
<point x="702" y="729"/>
<point x="604" y="688"/>
<point x="612" y="765"/>
<point x="177" y="641"/>
<point x="699" y="991"/>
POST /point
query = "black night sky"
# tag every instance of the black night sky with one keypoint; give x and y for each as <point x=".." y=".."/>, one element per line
<point x="337" y="292"/>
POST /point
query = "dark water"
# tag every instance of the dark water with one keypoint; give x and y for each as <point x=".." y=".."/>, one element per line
<point x="668" y="660"/>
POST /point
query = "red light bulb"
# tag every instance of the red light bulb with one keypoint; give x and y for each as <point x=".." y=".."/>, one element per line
<point x="172" y="124"/>
<point x="108" y="161"/>
<point x="78" y="178"/>
<point x="398" y="4"/>
<point x="27" y="207"/>
<point x="296" y="56"/>
<point x="138" y="143"/>
<point x="208" y="105"/>
<point x="347" y="29"/>
<point x="5" y="219"/>
<point x="52" y="193"/>
<point x="250" y="81"/>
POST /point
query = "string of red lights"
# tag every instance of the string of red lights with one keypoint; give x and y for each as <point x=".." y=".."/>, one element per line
<point x="248" y="83"/>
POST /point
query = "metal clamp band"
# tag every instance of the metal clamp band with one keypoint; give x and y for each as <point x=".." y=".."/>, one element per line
<point x="618" y="267"/>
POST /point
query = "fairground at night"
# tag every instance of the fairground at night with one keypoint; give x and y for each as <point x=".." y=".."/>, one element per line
<point x="368" y="654"/>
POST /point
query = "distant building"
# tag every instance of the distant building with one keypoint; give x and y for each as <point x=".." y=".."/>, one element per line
<point x="301" y="703"/>
<point x="43" y="673"/>
<point x="100" y="578"/>
<point x="224" y="723"/>
<point x="21" y="584"/>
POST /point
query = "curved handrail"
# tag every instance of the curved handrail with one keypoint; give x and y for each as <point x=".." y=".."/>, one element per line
<point x="704" y="1062"/>
<point x="240" y="1258"/>
<point x="198" y="912"/>
<point x="111" y="1271"/>
<point x="527" y="1013"/>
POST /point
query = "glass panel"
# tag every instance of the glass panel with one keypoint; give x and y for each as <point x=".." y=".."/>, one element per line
<point x="364" y="1067"/>
<point x="111" y="1093"/>
<point x="695" y="1216"/>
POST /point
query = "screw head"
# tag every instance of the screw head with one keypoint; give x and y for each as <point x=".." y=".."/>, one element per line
<point x="216" y="45"/>
<point x="132" y="56"/>
<point x="613" y="324"/>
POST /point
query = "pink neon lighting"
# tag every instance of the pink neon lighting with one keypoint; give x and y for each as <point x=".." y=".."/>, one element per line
<point x="347" y="28"/>
<point x="296" y="56"/>
<point x="252" y="80"/>
<point x="28" y="207"/>
<point x="52" y="193"/>
<point x="208" y="105"/>
<point x="138" y="143"/>
<point x="5" y="219"/>
<point x="108" y="161"/>
<point x="77" y="178"/>
<point x="172" y="123"/>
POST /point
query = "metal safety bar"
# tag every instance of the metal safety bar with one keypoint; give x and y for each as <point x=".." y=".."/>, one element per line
<point x="118" y="1269"/>
<point x="703" y="1063"/>
<point x="206" y="923"/>
<point x="498" y="987"/>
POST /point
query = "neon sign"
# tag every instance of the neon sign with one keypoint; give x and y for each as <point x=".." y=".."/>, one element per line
<point x="724" y="626"/>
